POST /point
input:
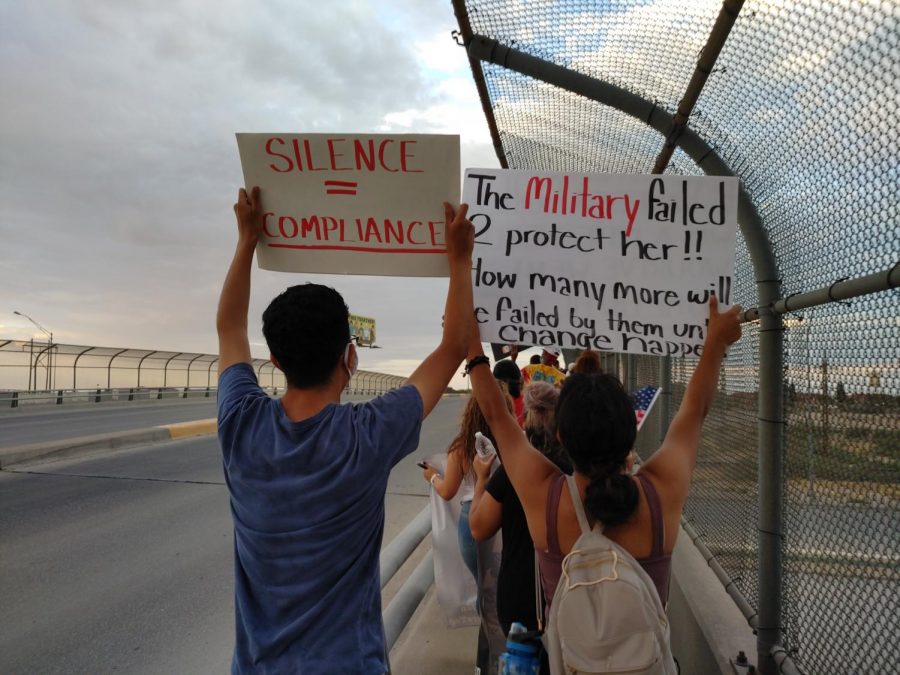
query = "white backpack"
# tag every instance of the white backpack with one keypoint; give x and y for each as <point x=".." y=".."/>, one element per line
<point x="606" y="615"/>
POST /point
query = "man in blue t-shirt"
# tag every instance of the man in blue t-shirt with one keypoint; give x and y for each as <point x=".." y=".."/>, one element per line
<point x="307" y="476"/>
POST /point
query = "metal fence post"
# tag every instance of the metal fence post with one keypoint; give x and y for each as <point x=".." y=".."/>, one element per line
<point x="771" y="483"/>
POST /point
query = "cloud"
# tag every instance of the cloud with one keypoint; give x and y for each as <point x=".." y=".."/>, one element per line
<point x="120" y="165"/>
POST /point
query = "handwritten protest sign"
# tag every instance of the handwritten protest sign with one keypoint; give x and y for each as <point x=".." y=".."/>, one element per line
<point x="616" y="262"/>
<point x="353" y="203"/>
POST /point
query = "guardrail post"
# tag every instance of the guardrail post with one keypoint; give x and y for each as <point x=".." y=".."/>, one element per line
<point x="184" y="394"/>
<point x="131" y="394"/>
<point x="207" y="393"/>
<point x="59" y="397"/>
<point x="98" y="397"/>
<point x="14" y="401"/>
<point x="159" y="393"/>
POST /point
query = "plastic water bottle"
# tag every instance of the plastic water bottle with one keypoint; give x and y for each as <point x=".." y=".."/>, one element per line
<point x="483" y="446"/>
<point x="521" y="655"/>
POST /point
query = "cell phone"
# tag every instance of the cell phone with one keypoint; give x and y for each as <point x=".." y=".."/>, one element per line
<point x="422" y="465"/>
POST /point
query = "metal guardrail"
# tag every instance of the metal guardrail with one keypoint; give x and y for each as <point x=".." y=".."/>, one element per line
<point x="17" y="398"/>
<point x="41" y="367"/>
<point x="404" y="604"/>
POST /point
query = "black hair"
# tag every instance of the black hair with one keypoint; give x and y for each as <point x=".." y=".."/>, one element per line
<point x="307" y="329"/>
<point x="595" y="418"/>
<point x="508" y="372"/>
<point x="535" y="359"/>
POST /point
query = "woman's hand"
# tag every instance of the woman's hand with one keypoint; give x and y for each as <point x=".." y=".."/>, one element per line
<point x="725" y="328"/>
<point x="429" y="472"/>
<point x="482" y="467"/>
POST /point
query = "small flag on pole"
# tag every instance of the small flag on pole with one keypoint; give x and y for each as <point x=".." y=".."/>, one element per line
<point x="644" y="398"/>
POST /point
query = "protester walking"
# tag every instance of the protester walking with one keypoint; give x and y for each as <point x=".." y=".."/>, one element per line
<point x="306" y="475"/>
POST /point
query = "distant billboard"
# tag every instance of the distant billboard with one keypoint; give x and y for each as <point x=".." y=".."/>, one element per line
<point x="364" y="329"/>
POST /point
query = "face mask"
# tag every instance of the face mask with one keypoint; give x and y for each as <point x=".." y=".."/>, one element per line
<point x="351" y="367"/>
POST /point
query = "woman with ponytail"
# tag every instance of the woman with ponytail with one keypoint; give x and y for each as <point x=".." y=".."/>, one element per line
<point x="597" y="429"/>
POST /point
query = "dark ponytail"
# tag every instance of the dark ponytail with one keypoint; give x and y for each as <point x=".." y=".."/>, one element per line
<point x="597" y="429"/>
<point x="508" y="372"/>
<point x="611" y="499"/>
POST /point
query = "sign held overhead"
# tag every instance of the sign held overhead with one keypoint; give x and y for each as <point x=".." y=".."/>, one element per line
<point x="609" y="262"/>
<point x="353" y="203"/>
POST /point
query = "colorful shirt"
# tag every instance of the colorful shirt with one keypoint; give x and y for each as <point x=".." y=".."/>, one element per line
<point x="538" y="372"/>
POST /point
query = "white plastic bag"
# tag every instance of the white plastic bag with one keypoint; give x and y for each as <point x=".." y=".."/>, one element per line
<point x="454" y="585"/>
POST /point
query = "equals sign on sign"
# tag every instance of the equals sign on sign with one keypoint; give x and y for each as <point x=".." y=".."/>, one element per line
<point x="340" y="187"/>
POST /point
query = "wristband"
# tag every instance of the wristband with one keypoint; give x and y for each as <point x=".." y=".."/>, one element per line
<point x="431" y="482"/>
<point x="476" y="361"/>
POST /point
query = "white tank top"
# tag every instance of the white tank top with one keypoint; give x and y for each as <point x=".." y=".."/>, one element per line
<point x="467" y="487"/>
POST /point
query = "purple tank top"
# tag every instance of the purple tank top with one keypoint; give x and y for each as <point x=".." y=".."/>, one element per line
<point x="657" y="565"/>
<point x="550" y="561"/>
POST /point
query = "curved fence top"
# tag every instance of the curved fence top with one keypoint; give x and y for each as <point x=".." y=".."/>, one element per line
<point x="34" y="365"/>
<point x="802" y="106"/>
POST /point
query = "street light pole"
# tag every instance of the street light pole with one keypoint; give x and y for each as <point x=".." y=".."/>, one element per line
<point x="49" y="335"/>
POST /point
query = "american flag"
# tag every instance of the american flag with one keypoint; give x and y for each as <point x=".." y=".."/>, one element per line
<point x="644" y="398"/>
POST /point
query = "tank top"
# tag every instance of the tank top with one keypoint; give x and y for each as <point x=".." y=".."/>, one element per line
<point x="657" y="565"/>
<point x="467" y="487"/>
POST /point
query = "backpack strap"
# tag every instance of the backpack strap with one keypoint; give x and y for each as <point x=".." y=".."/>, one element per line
<point x="579" y="507"/>
<point x="553" y="494"/>
<point x="538" y="593"/>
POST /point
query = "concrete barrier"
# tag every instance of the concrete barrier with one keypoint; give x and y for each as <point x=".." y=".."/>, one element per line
<point x="708" y="629"/>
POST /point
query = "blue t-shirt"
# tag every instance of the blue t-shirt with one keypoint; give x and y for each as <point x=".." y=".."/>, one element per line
<point x="307" y="499"/>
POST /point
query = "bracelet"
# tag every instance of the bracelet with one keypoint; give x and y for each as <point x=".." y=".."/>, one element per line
<point x="433" y="477"/>
<point x="476" y="361"/>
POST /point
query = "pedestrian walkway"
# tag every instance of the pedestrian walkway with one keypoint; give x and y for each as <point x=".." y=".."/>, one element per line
<point x="428" y="646"/>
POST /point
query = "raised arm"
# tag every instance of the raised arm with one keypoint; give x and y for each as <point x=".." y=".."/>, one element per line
<point x="234" y="302"/>
<point x="673" y="464"/>
<point x="434" y="373"/>
<point x="528" y="470"/>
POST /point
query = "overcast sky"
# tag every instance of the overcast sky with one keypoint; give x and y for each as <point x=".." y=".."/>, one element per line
<point x="119" y="165"/>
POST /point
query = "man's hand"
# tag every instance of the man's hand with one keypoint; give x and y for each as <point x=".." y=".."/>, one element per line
<point x="723" y="329"/>
<point x="459" y="234"/>
<point x="249" y="214"/>
<point x="433" y="375"/>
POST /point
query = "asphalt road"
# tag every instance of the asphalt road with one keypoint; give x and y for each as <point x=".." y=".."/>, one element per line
<point x="36" y="424"/>
<point x="123" y="562"/>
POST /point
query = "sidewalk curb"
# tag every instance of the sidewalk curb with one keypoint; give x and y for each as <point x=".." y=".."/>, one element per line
<point x="71" y="447"/>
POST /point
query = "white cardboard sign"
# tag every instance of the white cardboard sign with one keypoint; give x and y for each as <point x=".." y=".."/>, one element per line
<point x="353" y="203"/>
<point x="609" y="262"/>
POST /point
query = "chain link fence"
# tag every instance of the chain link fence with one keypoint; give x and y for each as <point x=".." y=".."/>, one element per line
<point x="802" y="105"/>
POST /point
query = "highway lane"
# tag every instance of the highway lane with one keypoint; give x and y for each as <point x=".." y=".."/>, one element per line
<point x="123" y="562"/>
<point x="37" y="424"/>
